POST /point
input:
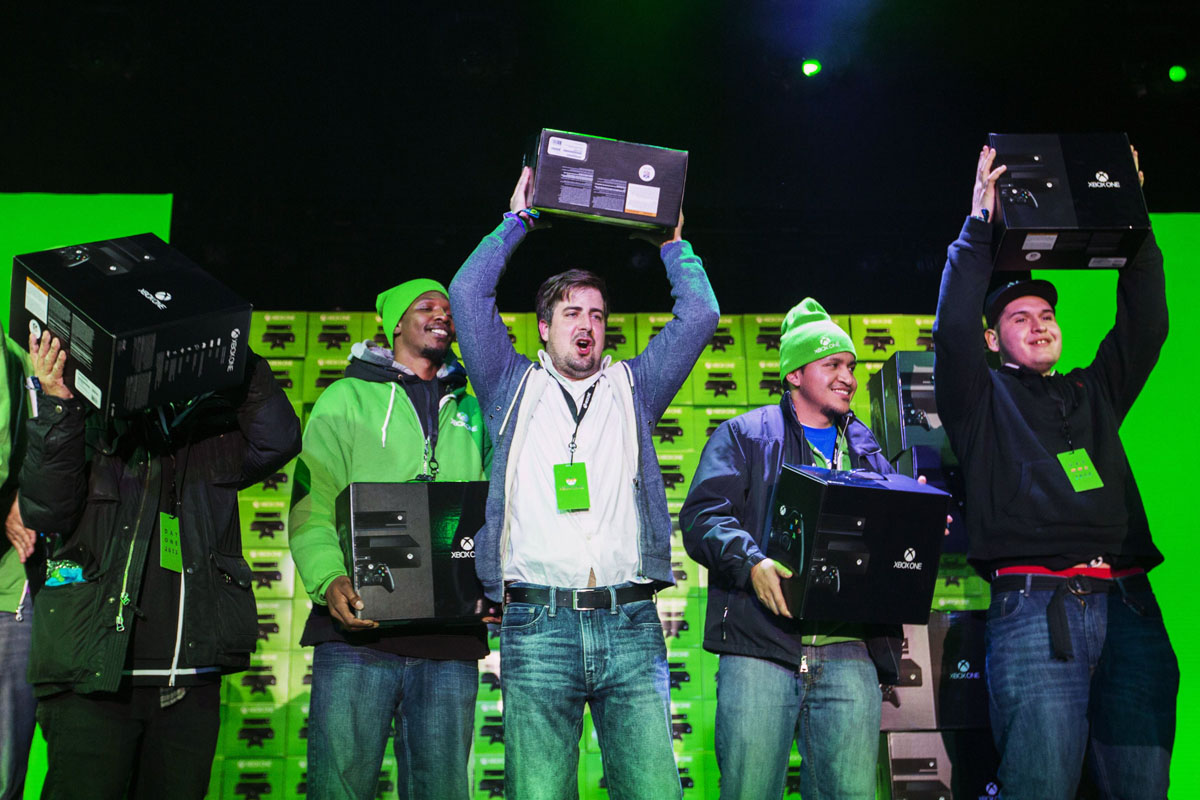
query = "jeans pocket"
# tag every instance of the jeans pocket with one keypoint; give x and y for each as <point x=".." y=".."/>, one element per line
<point x="1144" y="604"/>
<point x="1004" y="605"/>
<point x="641" y="614"/>
<point x="521" y="616"/>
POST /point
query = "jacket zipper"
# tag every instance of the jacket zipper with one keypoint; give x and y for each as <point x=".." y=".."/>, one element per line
<point x="129" y="558"/>
<point x="178" y="631"/>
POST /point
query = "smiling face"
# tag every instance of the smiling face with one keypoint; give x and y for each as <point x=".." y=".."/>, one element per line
<point x="822" y="390"/>
<point x="1027" y="334"/>
<point x="425" y="330"/>
<point x="574" y="336"/>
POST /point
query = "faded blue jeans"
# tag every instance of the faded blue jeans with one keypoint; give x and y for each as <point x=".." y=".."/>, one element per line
<point x="553" y="661"/>
<point x="1114" y="701"/>
<point x="17" y="703"/>
<point x="357" y="695"/>
<point x="831" y="711"/>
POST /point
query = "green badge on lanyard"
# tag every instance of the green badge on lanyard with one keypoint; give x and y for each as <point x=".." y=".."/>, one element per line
<point x="1080" y="470"/>
<point x="170" y="554"/>
<point x="571" y="487"/>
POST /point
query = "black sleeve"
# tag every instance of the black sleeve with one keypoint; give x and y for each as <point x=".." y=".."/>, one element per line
<point x="53" y="479"/>
<point x="960" y="364"/>
<point x="267" y="421"/>
<point x="1130" y="350"/>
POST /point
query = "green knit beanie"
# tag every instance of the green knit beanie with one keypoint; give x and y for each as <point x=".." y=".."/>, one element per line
<point x="392" y="304"/>
<point x="809" y="334"/>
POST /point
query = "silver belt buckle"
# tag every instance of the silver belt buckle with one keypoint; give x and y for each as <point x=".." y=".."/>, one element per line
<point x="575" y="598"/>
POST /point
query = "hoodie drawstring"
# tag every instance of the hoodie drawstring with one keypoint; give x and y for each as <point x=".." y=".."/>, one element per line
<point x="388" y="417"/>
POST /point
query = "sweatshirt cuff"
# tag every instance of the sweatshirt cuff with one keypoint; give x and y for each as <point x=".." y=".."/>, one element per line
<point x="977" y="230"/>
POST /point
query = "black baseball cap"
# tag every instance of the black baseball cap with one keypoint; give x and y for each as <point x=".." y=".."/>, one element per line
<point x="1004" y="294"/>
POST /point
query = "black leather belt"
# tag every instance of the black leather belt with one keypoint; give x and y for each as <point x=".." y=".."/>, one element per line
<point x="580" y="599"/>
<point x="1056" y="612"/>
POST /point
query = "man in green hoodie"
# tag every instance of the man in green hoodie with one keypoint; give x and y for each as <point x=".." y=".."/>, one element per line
<point x="399" y="415"/>
<point x="17" y="702"/>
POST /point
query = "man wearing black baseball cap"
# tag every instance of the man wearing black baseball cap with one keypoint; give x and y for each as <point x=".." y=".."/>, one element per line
<point x="1078" y="660"/>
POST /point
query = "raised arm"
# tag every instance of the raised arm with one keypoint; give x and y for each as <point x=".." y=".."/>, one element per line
<point x="664" y="365"/>
<point x="1129" y="352"/>
<point x="960" y="365"/>
<point x="267" y="422"/>
<point x="54" y="471"/>
<point x="488" y="354"/>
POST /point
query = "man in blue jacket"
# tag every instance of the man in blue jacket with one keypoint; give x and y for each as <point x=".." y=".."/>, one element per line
<point x="578" y="535"/>
<point x="781" y="679"/>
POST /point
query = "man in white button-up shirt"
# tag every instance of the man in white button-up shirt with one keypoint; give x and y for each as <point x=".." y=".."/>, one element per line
<point x="578" y="536"/>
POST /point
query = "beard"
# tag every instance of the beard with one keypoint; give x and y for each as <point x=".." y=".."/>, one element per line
<point x="435" y="354"/>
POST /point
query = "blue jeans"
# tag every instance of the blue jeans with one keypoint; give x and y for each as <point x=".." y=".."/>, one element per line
<point x="553" y="661"/>
<point x="1113" y="702"/>
<point x="831" y="712"/>
<point x="357" y="694"/>
<point x="17" y="703"/>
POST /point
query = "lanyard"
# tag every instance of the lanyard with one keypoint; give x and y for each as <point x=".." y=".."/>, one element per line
<point x="577" y="413"/>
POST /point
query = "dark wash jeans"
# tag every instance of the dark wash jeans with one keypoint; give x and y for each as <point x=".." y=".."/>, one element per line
<point x="99" y="745"/>
<point x="1114" y="702"/>
<point x="358" y="694"/>
<point x="554" y="660"/>
<point x="831" y="711"/>
<point x="17" y="703"/>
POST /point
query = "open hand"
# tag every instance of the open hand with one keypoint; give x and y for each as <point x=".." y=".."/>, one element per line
<point x="984" y="197"/>
<point x="49" y="360"/>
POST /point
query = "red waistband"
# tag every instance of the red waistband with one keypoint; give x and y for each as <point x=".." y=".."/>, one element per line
<point x="1092" y="572"/>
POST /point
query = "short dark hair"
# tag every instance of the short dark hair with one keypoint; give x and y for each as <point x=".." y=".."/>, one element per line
<point x="556" y="288"/>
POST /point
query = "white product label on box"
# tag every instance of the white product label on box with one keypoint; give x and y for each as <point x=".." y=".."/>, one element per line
<point x="646" y="172"/>
<point x="1039" y="241"/>
<point x="35" y="300"/>
<point x="1103" y="263"/>
<point x="88" y="389"/>
<point x="641" y="200"/>
<point x="567" y="148"/>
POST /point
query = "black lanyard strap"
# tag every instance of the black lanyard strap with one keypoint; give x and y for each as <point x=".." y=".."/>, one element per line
<point x="577" y="413"/>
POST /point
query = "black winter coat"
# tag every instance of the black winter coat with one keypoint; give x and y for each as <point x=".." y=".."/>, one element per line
<point x="99" y="488"/>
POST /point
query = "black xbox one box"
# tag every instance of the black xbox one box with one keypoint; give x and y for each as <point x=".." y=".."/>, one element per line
<point x="606" y="180"/>
<point x="1067" y="201"/>
<point x="141" y="323"/>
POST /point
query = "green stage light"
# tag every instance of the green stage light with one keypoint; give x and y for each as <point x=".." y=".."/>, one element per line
<point x="1177" y="73"/>
<point x="810" y="67"/>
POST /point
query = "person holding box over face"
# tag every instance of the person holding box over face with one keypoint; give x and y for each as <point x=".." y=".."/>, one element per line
<point x="399" y="415"/>
<point x="577" y="538"/>
<point x="1079" y="663"/>
<point x="781" y="679"/>
<point x="147" y="598"/>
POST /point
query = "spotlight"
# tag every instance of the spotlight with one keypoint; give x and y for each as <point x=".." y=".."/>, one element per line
<point x="1177" y="73"/>
<point x="812" y="66"/>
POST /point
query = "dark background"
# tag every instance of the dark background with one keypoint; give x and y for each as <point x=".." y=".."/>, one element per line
<point x="320" y="153"/>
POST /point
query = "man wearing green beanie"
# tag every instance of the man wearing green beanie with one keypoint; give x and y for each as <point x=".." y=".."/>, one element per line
<point x="782" y="679"/>
<point x="398" y="415"/>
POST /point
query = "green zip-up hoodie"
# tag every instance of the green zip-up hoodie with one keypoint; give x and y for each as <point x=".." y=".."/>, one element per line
<point x="364" y="428"/>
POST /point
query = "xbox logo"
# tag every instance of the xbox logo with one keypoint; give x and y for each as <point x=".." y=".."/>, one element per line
<point x="467" y="543"/>
<point x="992" y="790"/>
<point x="964" y="666"/>
<point x="163" y="296"/>
<point x="910" y="554"/>
<point x="1102" y="176"/>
